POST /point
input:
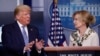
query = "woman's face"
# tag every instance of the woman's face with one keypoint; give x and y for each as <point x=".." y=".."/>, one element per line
<point x="78" y="22"/>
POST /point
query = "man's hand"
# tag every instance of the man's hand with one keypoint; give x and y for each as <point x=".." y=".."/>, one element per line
<point x="28" y="46"/>
<point x="39" y="44"/>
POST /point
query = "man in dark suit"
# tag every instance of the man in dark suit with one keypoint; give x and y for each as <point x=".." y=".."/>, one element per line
<point x="20" y="38"/>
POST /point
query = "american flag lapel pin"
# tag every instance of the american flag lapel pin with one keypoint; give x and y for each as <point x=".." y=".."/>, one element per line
<point x="31" y="29"/>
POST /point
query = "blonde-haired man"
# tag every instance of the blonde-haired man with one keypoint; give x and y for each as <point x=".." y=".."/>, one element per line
<point x="20" y="38"/>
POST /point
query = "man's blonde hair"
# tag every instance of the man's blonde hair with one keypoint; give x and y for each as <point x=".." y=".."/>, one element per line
<point x="21" y="8"/>
<point x="86" y="17"/>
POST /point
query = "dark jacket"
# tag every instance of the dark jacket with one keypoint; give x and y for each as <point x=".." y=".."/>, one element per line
<point x="13" y="41"/>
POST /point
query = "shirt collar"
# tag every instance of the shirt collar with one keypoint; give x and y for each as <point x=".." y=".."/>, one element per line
<point x="20" y="25"/>
<point x="86" y="32"/>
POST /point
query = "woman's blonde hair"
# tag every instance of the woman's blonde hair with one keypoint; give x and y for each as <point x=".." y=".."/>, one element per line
<point x="86" y="17"/>
<point x="21" y="8"/>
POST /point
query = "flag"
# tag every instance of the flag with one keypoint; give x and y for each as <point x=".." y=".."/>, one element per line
<point x="56" y="36"/>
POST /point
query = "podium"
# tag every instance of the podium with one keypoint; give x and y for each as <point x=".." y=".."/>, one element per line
<point x="72" y="51"/>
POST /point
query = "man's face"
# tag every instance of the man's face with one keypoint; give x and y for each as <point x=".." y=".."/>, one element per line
<point x="24" y="17"/>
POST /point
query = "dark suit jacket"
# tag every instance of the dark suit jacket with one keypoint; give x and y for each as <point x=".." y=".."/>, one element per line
<point x="13" y="41"/>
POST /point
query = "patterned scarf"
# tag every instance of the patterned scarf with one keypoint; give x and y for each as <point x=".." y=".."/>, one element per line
<point x="78" y="39"/>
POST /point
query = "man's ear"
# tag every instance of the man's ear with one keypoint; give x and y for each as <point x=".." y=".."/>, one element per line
<point x="17" y="16"/>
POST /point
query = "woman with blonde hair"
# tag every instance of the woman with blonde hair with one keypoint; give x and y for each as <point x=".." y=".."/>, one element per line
<point x="84" y="35"/>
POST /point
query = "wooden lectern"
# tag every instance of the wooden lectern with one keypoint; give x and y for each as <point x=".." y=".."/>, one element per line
<point x="72" y="51"/>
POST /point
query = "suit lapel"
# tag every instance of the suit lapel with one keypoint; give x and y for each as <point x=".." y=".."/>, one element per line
<point x="18" y="32"/>
<point x="20" y="36"/>
<point x="30" y="33"/>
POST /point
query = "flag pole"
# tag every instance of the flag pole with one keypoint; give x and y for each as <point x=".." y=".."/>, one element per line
<point x="18" y="2"/>
<point x="55" y="1"/>
<point x="55" y="32"/>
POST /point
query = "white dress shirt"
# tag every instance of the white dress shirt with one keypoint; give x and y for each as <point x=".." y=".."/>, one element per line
<point x="20" y="26"/>
<point x="91" y="40"/>
<point x="26" y="30"/>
